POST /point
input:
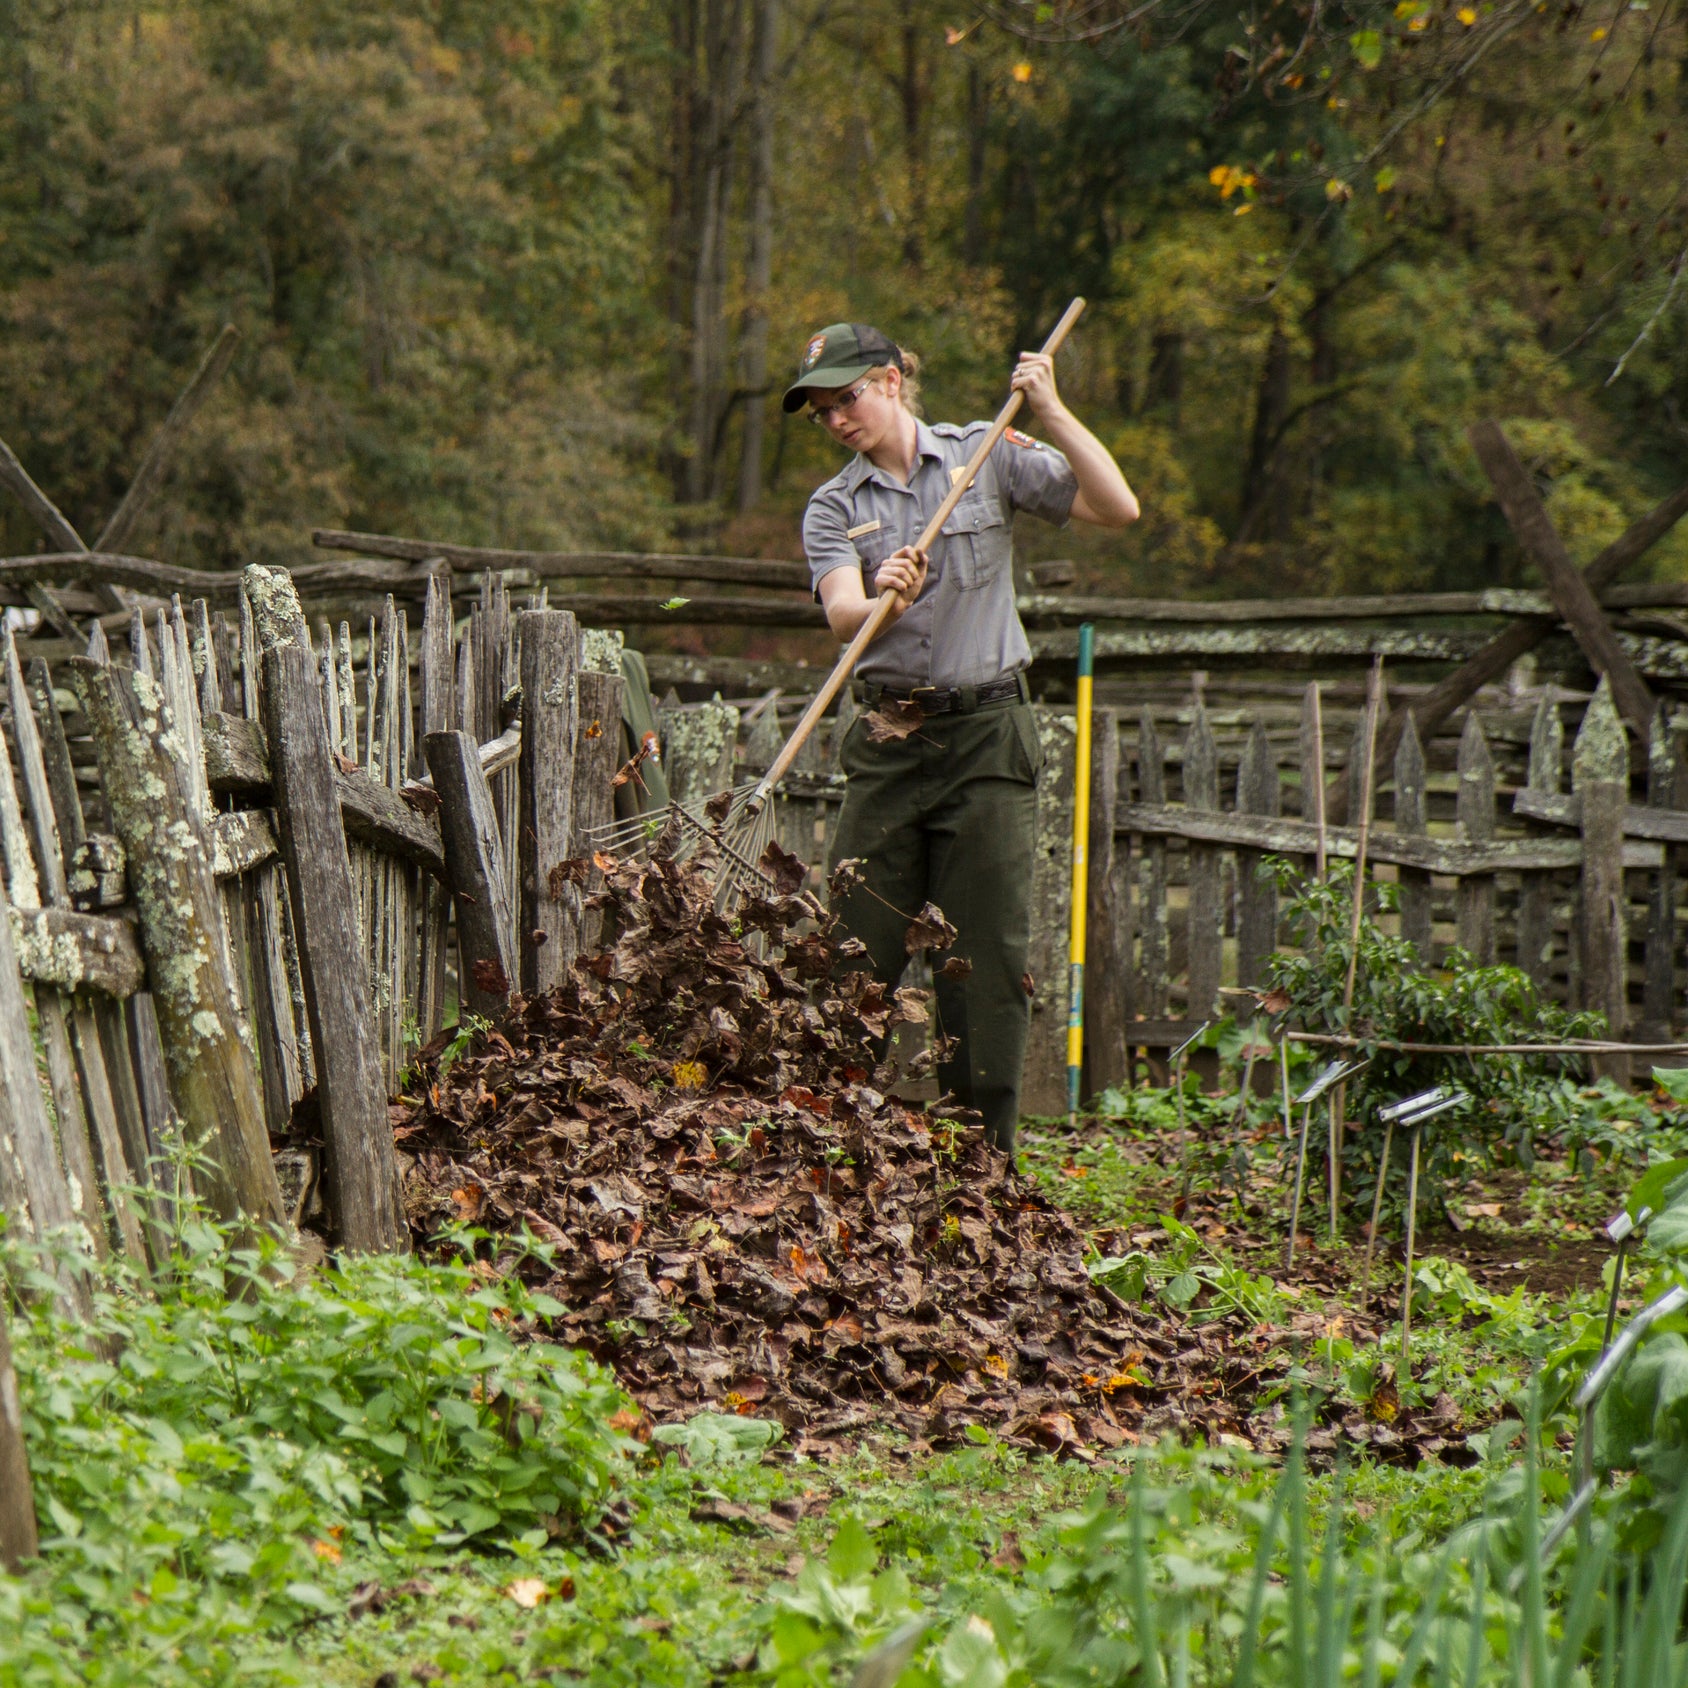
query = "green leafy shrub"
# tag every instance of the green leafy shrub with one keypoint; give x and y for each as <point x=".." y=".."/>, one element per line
<point x="200" y="1456"/>
<point x="1514" y="1098"/>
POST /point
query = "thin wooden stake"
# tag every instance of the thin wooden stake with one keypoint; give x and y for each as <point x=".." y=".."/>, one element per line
<point x="1339" y="1101"/>
<point x="1300" y="1177"/>
<point x="1376" y="1209"/>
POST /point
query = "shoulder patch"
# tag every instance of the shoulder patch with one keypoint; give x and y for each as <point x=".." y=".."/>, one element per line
<point x="1025" y="441"/>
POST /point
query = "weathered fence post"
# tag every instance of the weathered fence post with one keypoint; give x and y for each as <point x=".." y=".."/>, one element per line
<point x="1535" y="890"/>
<point x="1600" y="778"/>
<point x="1043" y="1082"/>
<point x="1475" y="809"/>
<point x="1412" y="821"/>
<point x="1258" y="793"/>
<point x="1201" y="791"/>
<point x="1150" y="995"/>
<point x="361" y="1169"/>
<point x="474" y="859"/>
<point x="597" y="757"/>
<point x="33" y="1191"/>
<point x="213" y="1073"/>
<point x="1310" y="750"/>
<point x="1658" y="993"/>
<point x="549" y="926"/>
<point x="17" y="1495"/>
<point x="81" y="1097"/>
<point x="1105" y="969"/>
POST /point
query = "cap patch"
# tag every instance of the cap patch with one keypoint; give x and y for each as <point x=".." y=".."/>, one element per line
<point x="812" y="354"/>
<point x="1015" y="437"/>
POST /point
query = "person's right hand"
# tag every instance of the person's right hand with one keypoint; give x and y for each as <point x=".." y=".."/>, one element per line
<point x="903" y="572"/>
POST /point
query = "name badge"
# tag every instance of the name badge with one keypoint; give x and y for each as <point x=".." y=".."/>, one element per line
<point x="865" y="527"/>
<point x="956" y="474"/>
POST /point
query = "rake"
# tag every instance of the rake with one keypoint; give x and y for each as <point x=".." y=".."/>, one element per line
<point x="740" y="824"/>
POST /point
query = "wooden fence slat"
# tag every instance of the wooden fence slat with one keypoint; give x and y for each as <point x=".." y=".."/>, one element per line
<point x="1474" y="808"/>
<point x="1201" y="792"/>
<point x="52" y="1009"/>
<point x="1658" y="991"/>
<point x="1150" y="997"/>
<point x="34" y="1188"/>
<point x="475" y="861"/>
<point x="18" y="1540"/>
<point x="277" y="994"/>
<point x="1106" y="956"/>
<point x="548" y="924"/>
<point x="213" y="1077"/>
<point x="1535" y="890"/>
<point x="1258" y="793"/>
<point x="595" y="764"/>
<point x="1600" y="777"/>
<point x="1310" y="758"/>
<point x="1412" y="820"/>
<point x="434" y="678"/>
<point x="362" y="1171"/>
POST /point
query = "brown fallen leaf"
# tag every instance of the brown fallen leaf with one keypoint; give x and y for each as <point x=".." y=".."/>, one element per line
<point x="928" y="931"/>
<point x="955" y="967"/>
<point x="783" y="868"/>
<point x="893" y="720"/>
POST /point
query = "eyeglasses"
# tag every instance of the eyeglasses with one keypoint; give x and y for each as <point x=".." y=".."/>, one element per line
<point x="821" y="414"/>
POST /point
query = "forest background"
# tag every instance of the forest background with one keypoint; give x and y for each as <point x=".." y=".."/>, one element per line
<point x="534" y="272"/>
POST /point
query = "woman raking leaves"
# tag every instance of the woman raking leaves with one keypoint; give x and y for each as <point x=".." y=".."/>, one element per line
<point x="941" y="792"/>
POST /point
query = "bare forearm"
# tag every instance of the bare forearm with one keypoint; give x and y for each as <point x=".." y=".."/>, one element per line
<point x="1104" y="495"/>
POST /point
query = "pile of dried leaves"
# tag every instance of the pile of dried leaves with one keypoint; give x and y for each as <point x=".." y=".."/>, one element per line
<point x="739" y="1215"/>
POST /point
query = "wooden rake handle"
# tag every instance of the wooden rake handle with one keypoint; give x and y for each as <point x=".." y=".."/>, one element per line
<point x="877" y="616"/>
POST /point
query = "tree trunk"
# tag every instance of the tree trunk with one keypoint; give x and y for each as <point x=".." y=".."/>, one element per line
<point x="978" y="108"/>
<point x="754" y="348"/>
<point x="1260" y="516"/>
<point x="912" y="85"/>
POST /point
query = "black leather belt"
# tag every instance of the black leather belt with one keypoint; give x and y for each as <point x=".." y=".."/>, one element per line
<point x="946" y="700"/>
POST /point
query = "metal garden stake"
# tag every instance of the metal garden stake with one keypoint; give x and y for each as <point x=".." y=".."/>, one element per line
<point x="1429" y="1103"/>
<point x="1178" y="1085"/>
<point x="1334" y="1073"/>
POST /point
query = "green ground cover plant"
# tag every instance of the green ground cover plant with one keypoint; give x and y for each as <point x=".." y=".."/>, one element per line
<point x="372" y="1475"/>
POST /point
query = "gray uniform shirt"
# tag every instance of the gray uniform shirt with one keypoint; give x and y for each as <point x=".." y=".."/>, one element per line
<point x="963" y="629"/>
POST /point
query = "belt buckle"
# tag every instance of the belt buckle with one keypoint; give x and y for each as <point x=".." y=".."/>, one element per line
<point x="914" y="696"/>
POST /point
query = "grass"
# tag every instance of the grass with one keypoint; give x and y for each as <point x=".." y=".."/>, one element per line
<point x="374" y="1477"/>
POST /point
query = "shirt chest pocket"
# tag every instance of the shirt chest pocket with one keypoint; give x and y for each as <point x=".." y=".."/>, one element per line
<point x="872" y="549"/>
<point x="976" y="536"/>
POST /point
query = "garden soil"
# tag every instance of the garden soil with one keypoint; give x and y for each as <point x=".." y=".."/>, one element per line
<point x="737" y="1215"/>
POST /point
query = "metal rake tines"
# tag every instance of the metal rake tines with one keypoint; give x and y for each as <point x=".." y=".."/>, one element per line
<point x="738" y="846"/>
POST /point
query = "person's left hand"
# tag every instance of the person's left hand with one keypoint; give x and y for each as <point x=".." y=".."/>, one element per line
<point x="1035" y="377"/>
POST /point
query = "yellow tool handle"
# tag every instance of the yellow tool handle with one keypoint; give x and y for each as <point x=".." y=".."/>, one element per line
<point x="870" y="629"/>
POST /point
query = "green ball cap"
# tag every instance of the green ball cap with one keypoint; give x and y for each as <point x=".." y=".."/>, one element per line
<point x="837" y="356"/>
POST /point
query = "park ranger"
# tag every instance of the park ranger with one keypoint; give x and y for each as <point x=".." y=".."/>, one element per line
<point x="943" y="812"/>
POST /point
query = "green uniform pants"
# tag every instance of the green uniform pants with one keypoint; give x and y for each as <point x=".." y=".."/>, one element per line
<point x="949" y="815"/>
